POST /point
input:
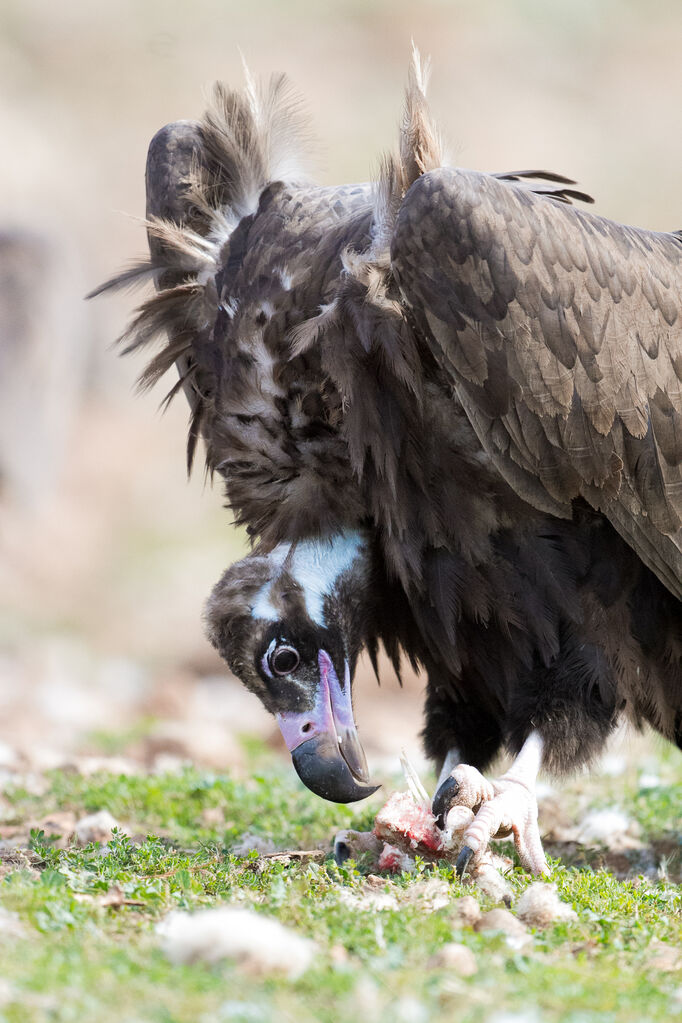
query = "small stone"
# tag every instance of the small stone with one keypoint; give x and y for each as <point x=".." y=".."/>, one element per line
<point x="431" y="894"/>
<point x="212" y="816"/>
<point x="377" y="881"/>
<point x="366" y="997"/>
<point x="10" y="925"/>
<point x="524" y="1016"/>
<point x="666" y="958"/>
<point x="9" y="993"/>
<point x="339" y="955"/>
<point x="372" y="900"/>
<point x="611" y="828"/>
<point x="60" y="825"/>
<point x="259" y="944"/>
<point x="115" y="897"/>
<point x="169" y="763"/>
<point x="501" y="920"/>
<point x="9" y="758"/>
<point x="467" y="910"/>
<point x="540" y="906"/>
<point x="456" y="958"/>
<point x="96" y="827"/>
<point x="248" y="842"/>
<point x="410" y="1010"/>
<point x="492" y="884"/>
<point x="90" y="765"/>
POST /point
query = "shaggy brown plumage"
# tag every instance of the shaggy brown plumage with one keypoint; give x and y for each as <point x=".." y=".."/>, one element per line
<point x="481" y="379"/>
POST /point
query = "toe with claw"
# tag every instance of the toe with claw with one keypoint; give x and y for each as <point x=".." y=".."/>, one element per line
<point x="476" y="810"/>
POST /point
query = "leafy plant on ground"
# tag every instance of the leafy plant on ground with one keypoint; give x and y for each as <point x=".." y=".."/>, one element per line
<point x="83" y="943"/>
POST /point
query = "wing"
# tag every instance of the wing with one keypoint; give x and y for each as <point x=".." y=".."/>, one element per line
<point x="562" y="335"/>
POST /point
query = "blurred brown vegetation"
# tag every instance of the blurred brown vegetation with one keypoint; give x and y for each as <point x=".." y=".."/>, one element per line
<point x="106" y="552"/>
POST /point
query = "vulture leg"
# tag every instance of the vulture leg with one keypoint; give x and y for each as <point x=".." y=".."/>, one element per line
<point x="503" y="807"/>
<point x="452" y="759"/>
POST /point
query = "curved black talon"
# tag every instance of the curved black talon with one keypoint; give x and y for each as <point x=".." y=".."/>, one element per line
<point x="443" y="801"/>
<point x="462" y="863"/>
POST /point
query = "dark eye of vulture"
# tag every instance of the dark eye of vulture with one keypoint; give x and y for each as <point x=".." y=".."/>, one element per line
<point x="448" y="409"/>
<point x="283" y="659"/>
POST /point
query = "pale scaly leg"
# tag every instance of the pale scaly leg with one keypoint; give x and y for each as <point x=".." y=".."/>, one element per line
<point x="449" y="764"/>
<point x="505" y="806"/>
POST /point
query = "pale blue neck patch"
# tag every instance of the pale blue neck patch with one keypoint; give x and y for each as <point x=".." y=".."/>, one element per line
<point x="315" y="565"/>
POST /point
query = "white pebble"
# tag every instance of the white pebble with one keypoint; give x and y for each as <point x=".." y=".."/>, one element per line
<point x="257" y="943"/>
<point x="540" y="906"/>
<point x="8" y="756"/>
<point x="10" y="925"/>
<point x="96" y="827"/>
<point x="373" y="901"/>
<point x="467" y="910"/>
<point x="525" y="1016"/>
<point x="609" y="827"/>
<point x="243" y="1012"/>
<point x="410" y="1010"/>
<point x="249" y="842"/>
<point x="430" y="894"/>
<point x="491" y="883"/>
<point x="500" y="920"/>
<point x="8" y="993"/>
<point x="455" y="957"/>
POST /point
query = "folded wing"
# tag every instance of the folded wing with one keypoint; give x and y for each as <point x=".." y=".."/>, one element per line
<point x="562" y="335"/>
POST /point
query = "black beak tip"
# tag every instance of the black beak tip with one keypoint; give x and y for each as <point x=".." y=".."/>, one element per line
<point x="322" y="769"/>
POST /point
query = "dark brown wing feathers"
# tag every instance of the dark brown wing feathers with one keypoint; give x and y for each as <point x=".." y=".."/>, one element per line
<point x="563" y="335"/>
<point x="559" y="330"/>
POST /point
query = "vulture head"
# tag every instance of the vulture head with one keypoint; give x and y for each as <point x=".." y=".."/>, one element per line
<point x="290" y="624"/>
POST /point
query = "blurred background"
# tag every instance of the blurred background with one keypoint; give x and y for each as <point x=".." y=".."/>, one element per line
<point x="106" y="550"/>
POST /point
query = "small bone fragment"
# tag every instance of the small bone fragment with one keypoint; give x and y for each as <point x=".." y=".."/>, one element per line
<point x="419" y="793"/>
<point x="402" y="822"/>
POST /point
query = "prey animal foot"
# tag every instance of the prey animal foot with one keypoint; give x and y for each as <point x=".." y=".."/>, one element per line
<point x="475" y="810"/>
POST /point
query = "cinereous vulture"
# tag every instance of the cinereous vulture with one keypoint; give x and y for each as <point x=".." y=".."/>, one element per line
<point x="448" y="408"/>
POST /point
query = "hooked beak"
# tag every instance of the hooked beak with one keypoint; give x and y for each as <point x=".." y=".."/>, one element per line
<point x="323" y="742"/>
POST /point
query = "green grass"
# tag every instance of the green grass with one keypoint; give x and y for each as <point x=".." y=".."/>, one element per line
<point x="80" y="960"/>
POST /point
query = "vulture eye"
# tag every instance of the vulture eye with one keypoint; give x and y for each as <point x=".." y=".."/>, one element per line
<point x="283" y="660"/>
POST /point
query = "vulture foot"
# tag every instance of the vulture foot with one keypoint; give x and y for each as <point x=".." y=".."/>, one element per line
<point x="474" y="810"/>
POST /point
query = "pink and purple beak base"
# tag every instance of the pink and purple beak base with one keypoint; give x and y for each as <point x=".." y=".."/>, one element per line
<point x="323" y="742"/>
